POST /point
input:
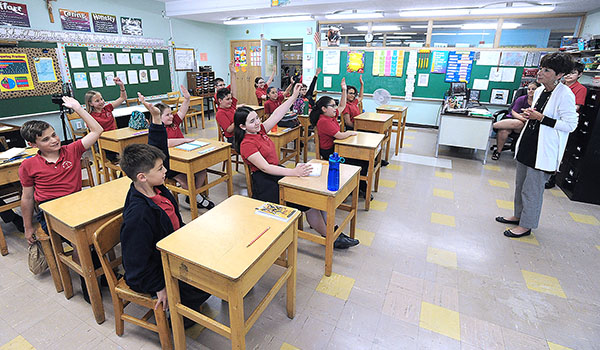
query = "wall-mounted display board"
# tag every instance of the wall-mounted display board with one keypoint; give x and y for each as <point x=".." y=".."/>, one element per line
<point x="184" y="59"/>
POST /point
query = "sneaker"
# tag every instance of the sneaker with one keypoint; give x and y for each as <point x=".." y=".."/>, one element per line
<point x="203" y="204"/>
<point x="384" y="162"/>
<point x="351" y="240"/>
<point x="342" y="243"/>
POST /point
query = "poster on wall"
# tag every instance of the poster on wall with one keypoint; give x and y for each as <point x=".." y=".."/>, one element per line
<point x="75" y="20"/>
<point x="439" y="62"/>
<point x="331" y="62"/>
<point x="13" y="14"/>
<point x="131" y="26"/>
<point x="459" y="66"/>
<point x="510" y="58"/>
<point x="105" y="23"/>
<point x="255" y="56"/>
<point x="44" y="68"/>
<point x="239" y="58"/>
<point x="14" y="72"/>
<point x="184" y="59"/>
<point x="356" y="62"/>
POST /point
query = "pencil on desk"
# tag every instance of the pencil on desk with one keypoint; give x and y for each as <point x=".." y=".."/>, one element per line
<point x="257" y="237"/>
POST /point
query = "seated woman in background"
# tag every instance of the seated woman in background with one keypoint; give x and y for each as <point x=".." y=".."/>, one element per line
<point x="514" y="120"/>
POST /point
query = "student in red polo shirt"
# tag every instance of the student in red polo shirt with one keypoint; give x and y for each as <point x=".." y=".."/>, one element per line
<point x="219" y="84"/>
<point x="275" y="98"/>
<point x="225" y="99"/>
<point x="258" y="151"/>
<point x="102" y="111"/>
<point x="352" y="102"/>
<point x="262" y="86"/>
<point x="55" y="171"/>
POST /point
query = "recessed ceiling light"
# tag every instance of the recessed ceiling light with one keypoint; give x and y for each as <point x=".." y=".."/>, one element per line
<point x="354" y="15"/>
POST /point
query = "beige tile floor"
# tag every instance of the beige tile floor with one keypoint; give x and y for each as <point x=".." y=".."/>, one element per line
<point x="434" y="272"/>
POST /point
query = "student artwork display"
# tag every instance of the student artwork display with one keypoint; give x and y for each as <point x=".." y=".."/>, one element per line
<point x="107" y="58"/>
<point x="76" y="59"/>
<point x="388" y="63"/>
<point x="356" y="62"/>
<point x="14" y="72"/>
<point x="160" y="59"/>
<point x="143" y="76"/>
<point x="122" y="58"/>
<point x="512" y="58"/>
<point x="488" y="58"/>
<point x="148" y="61"/>
<point x="239" y="57"/>
<point x="108" y="78"/>
<point x="123" y="76"/>
<point x="331" y="62"/>
<point x="105" y="23"/>
<point x="503" y="74"/>
<point x="499" y="96"/>
<point x="131" y="26"/>
<point x="80" y="79"/>
<point x="28" y="72"/>
<point x="132" y="76"/>
<point x="255" y="56"/>
<point x="459" y="66"/>
<point x="14" y="14"/>
<point x="92" y="59"/>
<point x="153" y="74"/>
<point x="75" y="20"/>
<point x="136" y="58"/>
<point x="44" y="68"/>
<point x="96" y="79"/>
<point x="439" y="62"/>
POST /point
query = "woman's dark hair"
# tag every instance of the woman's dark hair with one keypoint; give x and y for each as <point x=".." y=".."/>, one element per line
<point x="270" y="88"/>
<point x="559" y="62"/>
<point x="350" y="87"/>
<point x="240" y="116"/>
<point x="316" y="112"/>
<point x="256" y="81"/>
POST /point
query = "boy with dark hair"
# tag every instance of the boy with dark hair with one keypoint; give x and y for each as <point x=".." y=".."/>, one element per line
<point x="227" y="103"/>
<point x="219" y="84"/>
<point x="150" y="214"/>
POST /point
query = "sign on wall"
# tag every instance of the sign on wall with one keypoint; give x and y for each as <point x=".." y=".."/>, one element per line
<point x="14" y="14"/>
<point x="131" y="26"/>
<point x="75" y="20"/>
<point x="105" y="23"/>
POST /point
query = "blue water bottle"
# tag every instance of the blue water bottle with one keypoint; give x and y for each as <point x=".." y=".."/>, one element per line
<point x="333" y="176"/>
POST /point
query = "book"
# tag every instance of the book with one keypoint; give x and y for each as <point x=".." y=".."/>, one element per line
<point x="12" y="153"/>
<point x="275" y="211"/>
<point x="190" y="146"/>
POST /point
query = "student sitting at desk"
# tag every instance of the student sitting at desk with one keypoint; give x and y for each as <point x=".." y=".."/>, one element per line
<point x="219" y="84"/>
<point x="352" y="101"/>
<point x="306" y="96"/>
<point x="150" y="214"/>
<point x="258" y="151"/>
<point x="171" y="120"/>
<point x="275" y="98"/>
<point x="227" y="105"/>
<point x="262" y="86"/>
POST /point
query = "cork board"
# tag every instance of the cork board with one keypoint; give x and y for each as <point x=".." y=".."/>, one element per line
<point x="39" y="88"/>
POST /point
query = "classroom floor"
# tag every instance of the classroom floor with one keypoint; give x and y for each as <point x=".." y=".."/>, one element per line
<point x="433" y="271"/>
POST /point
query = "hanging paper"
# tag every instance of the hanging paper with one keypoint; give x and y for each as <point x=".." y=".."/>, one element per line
<point x="399" y="63"/>
<point x="44" y="68"/>
<point x="239" y="57"/>
<point x="511" y="58"/>
<point x="14" y="72"/>
<point x="255" y="56"/>
<point x="109" y="78"/>
<point x="96" y="79"/>
<point x="439" y="62"/>
<point x="76" y="59"/>
<point x="75" y="20"/>
<point x="153" y="74"/>
<point x="92" y="59"/>
<point x="80" y="79"/>
<point x="160" y="60"/>
<point x="489" y="58"/>
<point x="376" y="56"/>
<point x="105" y="23"/>
<point x="356" y="62"/>
<point x="148" y="59"/>
<point x="107" y="58"/>
<point x="331" y="62"/>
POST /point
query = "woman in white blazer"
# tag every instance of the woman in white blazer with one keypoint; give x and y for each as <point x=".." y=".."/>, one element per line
<point x="542" y="142"/>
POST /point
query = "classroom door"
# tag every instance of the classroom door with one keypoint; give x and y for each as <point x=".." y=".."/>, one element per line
<point x="246" y="54"/>
<point x="271" y="57"/>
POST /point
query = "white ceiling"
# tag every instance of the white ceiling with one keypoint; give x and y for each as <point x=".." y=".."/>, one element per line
<point x="216" y="11"/>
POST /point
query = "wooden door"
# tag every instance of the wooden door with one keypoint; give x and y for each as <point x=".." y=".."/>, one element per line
<point x="245" y="75"/>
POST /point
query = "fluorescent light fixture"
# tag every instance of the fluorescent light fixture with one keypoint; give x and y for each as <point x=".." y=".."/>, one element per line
<point x="352" y="35"/>
<point x="384" y="28"/>
<point x="443" y="34"/>
<point x="394" y="43"/>
<point x="512" y="10"/>
<point x="355" y="15"/>
<point x="270" y="20"/>
<point x="399" y="37"/>
<point x="435" y="13"/>
<point x="295" y="44"/>
<point x="489" y="25"/>
<point x="437" y="26"/>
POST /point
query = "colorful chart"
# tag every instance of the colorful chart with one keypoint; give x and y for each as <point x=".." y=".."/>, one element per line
<point x="388" y="63"/>
<point x="459" y="66"/>
<point x="239" y="56"/>
<point x="439" y="62"/>
<point x="356" y="62"/>
<point x="14" y="72"/>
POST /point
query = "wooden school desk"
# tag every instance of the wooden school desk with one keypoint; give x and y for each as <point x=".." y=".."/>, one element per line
<point x="399" y="113"/>
<point x="311" y="191"/>
<point x="364" y="146"/>
<point x="191" y="162"/>
<point x="305" y="122"/>
<point x="260" y="110"/>
<point x="376" y="122"/>
<point x="281" y="138"/>
<point x="212" y="253"/>
<point x="117" y="140"/>
<point x="76" y="217"/>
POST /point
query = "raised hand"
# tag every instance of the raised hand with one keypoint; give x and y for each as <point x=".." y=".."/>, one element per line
<point x="184" y="92"/>
<point x="343" y="84"/>
<point x="118" y="81"/>
<point x="361" y="80"/>
<point x="318" y="71"/>
<point x="70" y="102"/>
<point x="232" y="67"/>
<point x="297" y="89"/>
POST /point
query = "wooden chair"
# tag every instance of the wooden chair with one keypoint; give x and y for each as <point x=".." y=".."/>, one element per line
<point x="248" y="179"/>
<point x="7" y="192"/>
<point x="173" y="94"/>
<point x="132" y="101"/>
<point x="317" y="151"/>
<point x="106" y="238"/>
<point x="86" y="165"/>
<point x="77" y="133"/>
<point x="193" y="114"/>
<point x="236" y="161"/>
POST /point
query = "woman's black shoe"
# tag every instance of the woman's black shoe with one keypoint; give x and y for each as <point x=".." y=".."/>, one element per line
<point x="501" y="219"/>
<point x="509" y="233"/>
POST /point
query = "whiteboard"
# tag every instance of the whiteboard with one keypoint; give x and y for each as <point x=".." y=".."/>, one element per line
<point x="184" y="59"/>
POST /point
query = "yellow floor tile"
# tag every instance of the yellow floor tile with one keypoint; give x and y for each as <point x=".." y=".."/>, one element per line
<point x="442" y="219"/>
<point x="194" y="331"/>
<point x="407" y="145"/>
<point x="311" y="154"/>
<point x="19" y="343"/>
<point x="212" y="128"/>
<point x="336" y="285"/>
<point x="409" y="137"/>
<point x="526" y="239"/>
<point x="365" y="237"/>
<point x="387" y="183"/>
<point x="491" y="167"/>
<point x="394" y="167"/>
<point x="497" y="183"/>
<point x="558" y="193"/>
<point x="502" y="204"/>
<point x="554" y="346"/>
<point x="598" y="247"/>
<point x="409" y="130"/>
<point x="290" y="165"/>
<point x="443" y="174"/>
<point x="378" y="205"/>
<point x="443" y="193"/>
<point x="584" y="219"/>
<point x="441" y="257"/>
<point x="286" y="346"/>
<point x="440" y="320"/>
<point x="543" y="283"/>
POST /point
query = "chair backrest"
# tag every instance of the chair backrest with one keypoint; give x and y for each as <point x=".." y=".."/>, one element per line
<point x="131" y="101"/>
<point x="317" y="152"/>
<point x="85" y="164"/>
<point x="173" y="94"/>
<point x="248" y="175"/>
<point x="70" y="118"/>
<point x="106" y="239"/>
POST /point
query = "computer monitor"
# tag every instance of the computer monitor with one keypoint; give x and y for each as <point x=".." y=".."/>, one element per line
<point x="474" y="95"/>
<point x="459" y="88"/>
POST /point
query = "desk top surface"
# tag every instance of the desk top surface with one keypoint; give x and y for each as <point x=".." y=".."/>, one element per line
<point x="17" y="162"/>
<point x="123" y="134"/>
<point x="318" y="184"/>
<point x="395" y="108"/>
<point x="86" y="206"/>
<point x="218" y="239"/>
<point x="362" y="139"/>
<point x="374" y="117"/>
<point x="182" y="155"/>
<point x="282" y="131"/>
<point x="123" y="111"/>
<point x="255" y="107"/>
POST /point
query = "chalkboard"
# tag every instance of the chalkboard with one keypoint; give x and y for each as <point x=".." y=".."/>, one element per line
<point x="111" y="93"/>
<point x="395" y="85"/>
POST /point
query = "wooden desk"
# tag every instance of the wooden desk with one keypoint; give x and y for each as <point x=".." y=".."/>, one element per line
<point x="211" y="253"/>
<point x="376" y="122"/>
<point x="191" y="162"/>
<point x="126" y="111"/>
<point x="117" y="140"/>
<point x="312" y="192"/>
<point x="305" y="122"/>
<point x="260" y="110"/>
<point x="364" y="146"/>
<point x="281" y="138"/>
<point x="76" y="217"/>
<point x="399" y="113"/>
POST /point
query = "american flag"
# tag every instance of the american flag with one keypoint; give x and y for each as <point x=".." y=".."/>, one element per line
<point x="317" y="37"/>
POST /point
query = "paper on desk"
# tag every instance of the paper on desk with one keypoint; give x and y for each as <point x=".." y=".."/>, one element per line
<point x="12" y="152"/>
<point x="316" y="170"/>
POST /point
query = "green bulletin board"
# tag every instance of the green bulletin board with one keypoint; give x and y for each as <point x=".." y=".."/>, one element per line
<point x="395" y="85"/>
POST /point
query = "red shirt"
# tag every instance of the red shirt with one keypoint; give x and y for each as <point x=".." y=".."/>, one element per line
<point x="261" y="143"/>
<point x="225" y="117"/>
<point x="165" y="204"/>
<point x="580" y="92"/>
<point x="105" y="117"/>
<point x="53" y="180"/>
<point x="173" y="130"/>
<point x="259" y="93"/>
<point x="271" y="105"/>
<point x="327" y="127"/>
<point x="352" y="109"/>
<point x="216" y="101"/>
